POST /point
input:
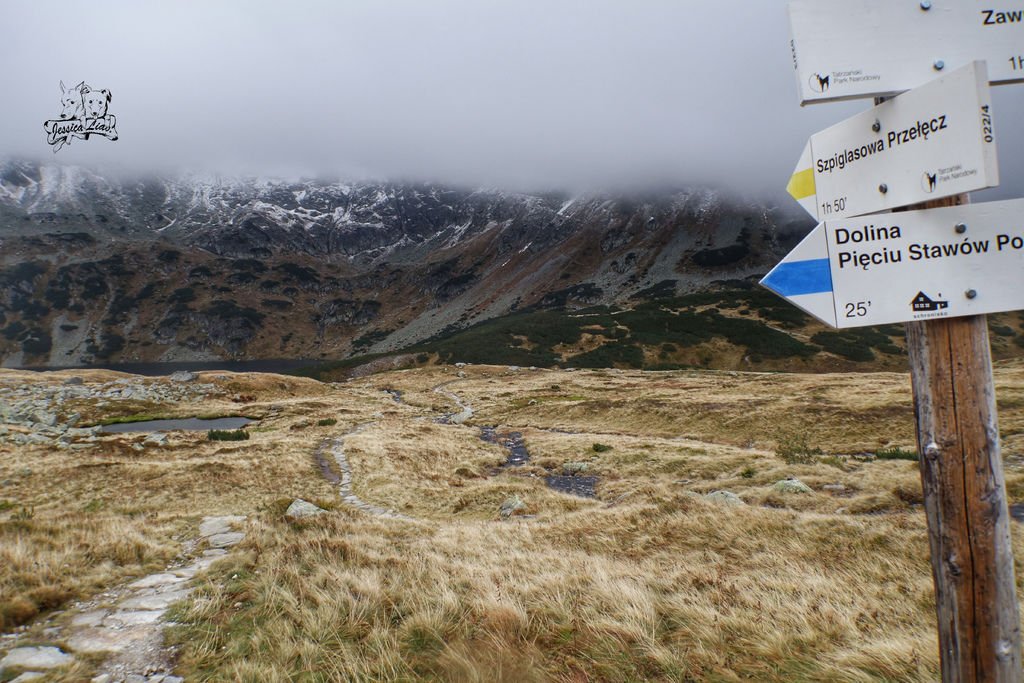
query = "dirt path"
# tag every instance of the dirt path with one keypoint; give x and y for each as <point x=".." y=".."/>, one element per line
<point x="518" y="455"/>
<point x="340" y="472"/>
<point x="126" y="623"/>
<point x="465" y="410"/>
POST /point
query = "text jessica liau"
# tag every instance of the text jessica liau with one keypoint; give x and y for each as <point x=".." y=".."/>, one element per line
<point x="84" y="113"/>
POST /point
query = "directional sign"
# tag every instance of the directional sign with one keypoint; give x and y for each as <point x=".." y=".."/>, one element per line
<point x="916" y="265"/>
<point x="845" y="49"/>
<point x="928" y="143"/>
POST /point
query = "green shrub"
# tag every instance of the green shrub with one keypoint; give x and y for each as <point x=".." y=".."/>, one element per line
<point x="601" y="448"/>
<point x="748" y="472"/>
<point x="227" y="435"/>
<point x="326" y="422"/>
<point x="795" y="450"/>
<point x="896" y="453"/>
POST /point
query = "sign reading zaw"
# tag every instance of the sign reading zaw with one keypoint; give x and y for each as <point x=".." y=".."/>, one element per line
<point x="845" y="49"/>
<point x="916" y="265"/>
<point x="928" y="143"/>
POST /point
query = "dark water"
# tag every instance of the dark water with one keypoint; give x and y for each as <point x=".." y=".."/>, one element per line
<point x="160" y="369"/>
<point x="193" y="424"/>
<point x="518" y="455"/>
<point x="1017" y="512"/>
<point x="576" y="485"/>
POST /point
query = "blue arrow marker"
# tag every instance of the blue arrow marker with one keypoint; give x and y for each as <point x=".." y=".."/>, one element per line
<point x="804" y="278"/>
<point x="800" y="277"/>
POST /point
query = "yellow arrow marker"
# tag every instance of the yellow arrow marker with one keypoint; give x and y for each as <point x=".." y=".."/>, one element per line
<point x="801" y="185"/>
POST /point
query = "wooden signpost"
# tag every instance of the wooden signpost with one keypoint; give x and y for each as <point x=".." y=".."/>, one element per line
<point x="867" y="48"/>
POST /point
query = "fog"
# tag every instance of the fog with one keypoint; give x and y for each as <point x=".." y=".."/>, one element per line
<point x="525" y="94"/>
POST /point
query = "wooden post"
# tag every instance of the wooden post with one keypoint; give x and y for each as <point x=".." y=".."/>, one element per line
<point x="965" y="495"/>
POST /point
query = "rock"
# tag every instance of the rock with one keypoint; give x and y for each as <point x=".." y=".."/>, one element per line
<point x="35" y="658"/>
<point x="460" y="365"/>
<point x="102" y="678"/>
<point x="133" y="618"/>
<point x="156" y="581"/>
<point x="461" y="375"/>
<point x="28" y="676"/>
<point x="74" y="381"/>
<point x="791" y="485"/>
<point x="94" y="618"/>
<point x="511" y="506"/>
<point x="572" y="468"/>
<point x="725" y="498"/>
<point x="183" y="376"/>
<point x="44" y="417"/>
<point x="300" y="509"/>
<point x="173" y="679"/>
<point x="152" y="601"/>
<point x="834" y="487"/>
<point x="211" y="526"/>
<point x="156" y="439"/>
<point x="225" y="540"/>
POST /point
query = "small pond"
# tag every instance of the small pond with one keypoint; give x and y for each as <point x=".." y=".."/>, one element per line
<point x="187" y="424"/>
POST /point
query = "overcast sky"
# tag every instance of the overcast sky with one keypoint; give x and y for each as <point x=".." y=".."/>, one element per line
<point x="528" y="94"/>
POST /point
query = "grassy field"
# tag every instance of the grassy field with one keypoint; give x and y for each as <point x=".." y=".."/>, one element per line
<point x="650" y="581"/>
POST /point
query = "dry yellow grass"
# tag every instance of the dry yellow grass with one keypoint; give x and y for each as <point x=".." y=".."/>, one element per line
<point x="650" y="582"/>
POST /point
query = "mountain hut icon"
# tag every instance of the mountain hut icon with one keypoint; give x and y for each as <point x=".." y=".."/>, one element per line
<point x="922" y="302"/>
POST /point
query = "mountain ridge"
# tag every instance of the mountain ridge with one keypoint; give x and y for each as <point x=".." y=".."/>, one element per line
<point x="191" y="267"/>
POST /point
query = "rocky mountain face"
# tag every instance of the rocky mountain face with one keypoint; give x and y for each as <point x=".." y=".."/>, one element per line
<point x="95" y="268"/>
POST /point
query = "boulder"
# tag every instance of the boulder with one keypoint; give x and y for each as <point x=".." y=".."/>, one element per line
<point x="573" y="468"/>
<point x="791" y="485"/>
<point x="300" y="509"/>
<point x="44" y="417"/>
<point x="29" y="676"/>
<point x="35" y="658"/>
<point x="725" y="498"/>
<point x="184" y="376"/>
<point x="74" y="381"/>
<point x="511" y="506"/>
<point x="156" y="439"/>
